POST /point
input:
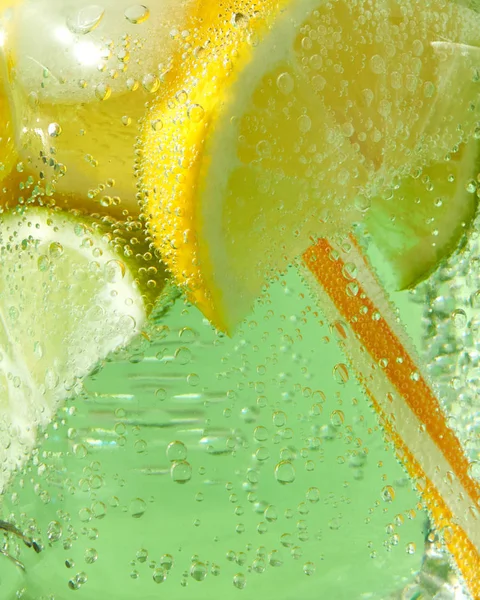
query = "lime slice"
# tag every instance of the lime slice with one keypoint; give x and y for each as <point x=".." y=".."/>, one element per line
<point x="260" y="153"/>
<point x="67" y="300"/>
<point x="424" y="218"/>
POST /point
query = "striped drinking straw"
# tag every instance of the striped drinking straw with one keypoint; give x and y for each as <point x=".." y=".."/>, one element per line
<point x="409" y="411"/>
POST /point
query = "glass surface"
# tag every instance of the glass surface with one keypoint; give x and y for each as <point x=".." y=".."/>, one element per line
<point x="171" y="460"/>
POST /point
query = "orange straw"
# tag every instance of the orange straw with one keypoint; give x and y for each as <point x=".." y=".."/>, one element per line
<point x="409" y="411"/>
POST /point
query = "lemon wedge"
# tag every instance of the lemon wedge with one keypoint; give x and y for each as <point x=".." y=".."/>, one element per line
<point x="77" y="77"/>
<point x="277" y="119"/>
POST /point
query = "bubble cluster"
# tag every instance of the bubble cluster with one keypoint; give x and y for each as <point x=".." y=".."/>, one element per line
<point x="149" y="453"/>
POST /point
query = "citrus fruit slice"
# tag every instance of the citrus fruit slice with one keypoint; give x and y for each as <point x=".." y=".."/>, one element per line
<point x="79" y="76"/>
<point x="67" y="299"/>
<point x="275" y="119"/>
<point x="425" y="216"/>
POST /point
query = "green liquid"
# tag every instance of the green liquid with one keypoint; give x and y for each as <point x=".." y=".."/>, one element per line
<point x="198" y="466"/>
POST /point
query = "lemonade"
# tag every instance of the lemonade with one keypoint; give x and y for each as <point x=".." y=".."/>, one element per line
<point x="210" y="385"/>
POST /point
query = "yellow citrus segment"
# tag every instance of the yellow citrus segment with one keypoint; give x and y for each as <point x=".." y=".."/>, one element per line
<point x="410" y="413"/>
<point x="280" y="121"/>
<point x="177" y="128"/>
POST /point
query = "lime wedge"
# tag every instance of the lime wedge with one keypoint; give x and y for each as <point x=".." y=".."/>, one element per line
<point x="424" y="218"/>
<point x="67" y="299"/>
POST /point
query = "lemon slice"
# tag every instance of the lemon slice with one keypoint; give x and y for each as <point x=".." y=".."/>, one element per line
<point x="425" y="216"/>
<point x="67" y="299"/>
<point x="276" y="118"/>
<point x="78" y="76"/>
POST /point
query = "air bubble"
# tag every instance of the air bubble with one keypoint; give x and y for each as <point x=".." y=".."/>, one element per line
<point x="114" y="271"/>
<point x="181" y="471"/>
<point x="54" y="130"/>
<point x="103" y="91"/>
<point x="239" y="20"/>
<point x="166" y="562"/>
<point x="159" y="575"/>
<point x="86" y="19"/>
<point x="309" y="568"/>
<point x="137" y="14"/>
<point x="285" y="83"/>
<point x="137" y="508"/>
<point x="196" y="113"/>
<point x="151" y="83"/>
<point x="279" y="418"/>
<point x="340" y="373"/>
<point x="304" y="123"/>
<point x="176" y="451"/>
<point x="377" y="64"/>
<point x="54" y="531"/>
<point x="239" y="581"/>
<point x="285" y="472"/>
<point x="198" y="571"/>
<point x="388" y="493"/>
<point x="90" y="556"/>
